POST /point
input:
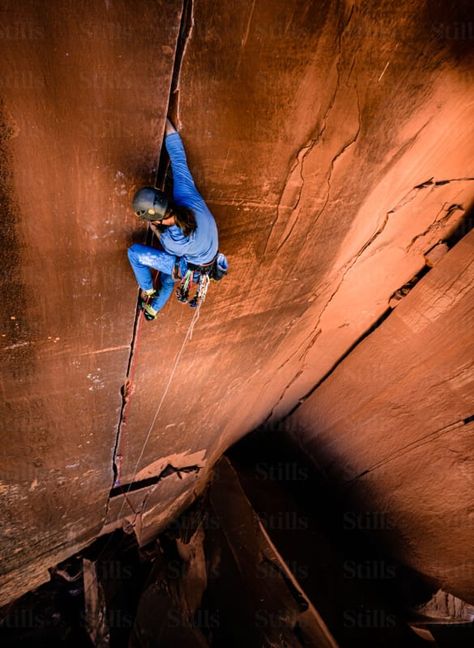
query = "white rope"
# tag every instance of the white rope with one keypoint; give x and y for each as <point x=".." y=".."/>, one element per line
<point x="160" y="404"/>
<point x="168" y="385"/>
<point x="193" y="322"/>
<point x="202" y="297"/>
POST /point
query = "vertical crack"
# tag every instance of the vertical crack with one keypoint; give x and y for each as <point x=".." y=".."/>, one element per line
<point x="185" y="30"/>
<point x="125" y="391"/>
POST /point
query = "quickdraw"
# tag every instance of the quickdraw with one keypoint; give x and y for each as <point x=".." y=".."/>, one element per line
<point x="183" y="290"/>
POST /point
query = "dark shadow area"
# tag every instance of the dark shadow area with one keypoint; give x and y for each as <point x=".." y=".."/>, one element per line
<point x="54" y="614"/>
<point x="334" y="547"/>
<point x="452" y="25"/>
<point x="463" y="228"/>
<point x="270" y="542"/>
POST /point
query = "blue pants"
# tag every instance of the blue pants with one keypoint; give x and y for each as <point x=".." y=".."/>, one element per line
<point x="144" y="257"/>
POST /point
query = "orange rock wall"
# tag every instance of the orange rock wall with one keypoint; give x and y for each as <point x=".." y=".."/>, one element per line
<point x="83" y="102"/>
<point x="393" y="424"/>
<point x="331" y="140"/>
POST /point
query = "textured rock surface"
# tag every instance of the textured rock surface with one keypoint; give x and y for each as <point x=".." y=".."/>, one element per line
<point x="73" y="146"/>
<point x="394" y="422"/>
<point x="333" y="143"/>
<point x="285" y="84"/>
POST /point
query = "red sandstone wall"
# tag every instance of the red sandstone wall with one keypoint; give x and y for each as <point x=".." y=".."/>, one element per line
<point x="394" y="424"/>
<point x="332" y="142"/>
<point x="83" y="107"/>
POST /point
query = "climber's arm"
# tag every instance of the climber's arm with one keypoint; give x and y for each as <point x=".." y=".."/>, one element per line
<point x="184" y="189"/>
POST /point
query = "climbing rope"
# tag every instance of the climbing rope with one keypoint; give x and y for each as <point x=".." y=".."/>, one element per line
<point x="202" y="292"/>
<point x="187" y="337"/>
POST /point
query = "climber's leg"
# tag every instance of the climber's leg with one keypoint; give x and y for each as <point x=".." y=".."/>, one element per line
<point x="159" y="300"/>
<point x="144" y="257"/>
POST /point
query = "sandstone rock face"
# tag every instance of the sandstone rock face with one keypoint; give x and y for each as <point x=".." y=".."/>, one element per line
<point x="73" y="147"/>
<point x="332" y="141"/>
<point x="394" y="423"/>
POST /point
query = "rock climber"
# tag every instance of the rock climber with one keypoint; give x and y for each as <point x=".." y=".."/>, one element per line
<point x="187" y="233"/>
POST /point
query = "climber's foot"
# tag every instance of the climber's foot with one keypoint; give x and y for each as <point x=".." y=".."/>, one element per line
<point x="148" y="311"/>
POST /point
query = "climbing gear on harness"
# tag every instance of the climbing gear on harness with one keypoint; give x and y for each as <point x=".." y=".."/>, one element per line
<point x="149" y="203"/>
<point x="201" y="292"/>
<point x="200" y="275"/>
<point x="182" y="291"/>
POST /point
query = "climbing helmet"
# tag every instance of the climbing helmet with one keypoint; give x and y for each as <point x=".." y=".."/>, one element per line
<point x="149" y="203"/>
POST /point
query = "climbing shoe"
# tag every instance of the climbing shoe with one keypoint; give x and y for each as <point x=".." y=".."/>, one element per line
<point x="149" y="312"/>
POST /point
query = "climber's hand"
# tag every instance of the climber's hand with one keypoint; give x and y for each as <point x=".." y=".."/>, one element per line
<point x="169" y="127"/>
<point x="154" y="229"/>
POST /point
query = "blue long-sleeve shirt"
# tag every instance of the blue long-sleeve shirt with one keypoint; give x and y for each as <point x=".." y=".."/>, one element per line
<point x="202" y="244"/>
